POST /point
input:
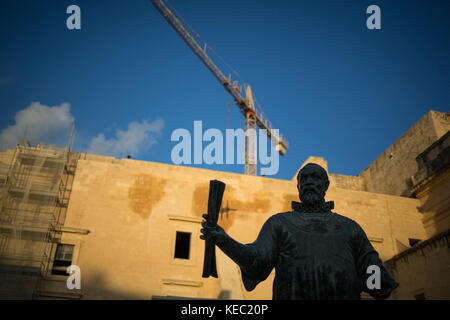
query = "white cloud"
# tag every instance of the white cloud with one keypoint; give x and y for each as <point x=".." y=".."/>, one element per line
<point x="139" y="137"/>
<point x="43" y="123"/>
<point x="53" y="125"/>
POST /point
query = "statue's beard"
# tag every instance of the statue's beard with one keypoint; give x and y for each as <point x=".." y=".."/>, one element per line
<point x="311" y="196"/>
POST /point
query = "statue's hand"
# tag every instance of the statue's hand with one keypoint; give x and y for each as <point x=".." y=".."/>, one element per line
<point x="216" y="234"/>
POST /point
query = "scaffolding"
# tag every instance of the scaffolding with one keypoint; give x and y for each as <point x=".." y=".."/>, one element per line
<point x="34" y="196"/>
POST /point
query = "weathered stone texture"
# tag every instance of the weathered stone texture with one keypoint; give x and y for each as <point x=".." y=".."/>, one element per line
<point x="391" y="171"/>
<point x="346" y="182"/>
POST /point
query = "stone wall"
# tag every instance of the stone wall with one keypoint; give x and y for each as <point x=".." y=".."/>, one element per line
<point x="346" y="182"/>
<point x="391" y="171"/>
<point x="422" y="271"/>
<point x="133" y="210"/>
<point x="431" y="185"/>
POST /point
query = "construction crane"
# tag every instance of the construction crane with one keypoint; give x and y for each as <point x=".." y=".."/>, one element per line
<point x="253" y="117"/>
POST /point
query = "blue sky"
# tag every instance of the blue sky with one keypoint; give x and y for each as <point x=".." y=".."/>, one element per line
<point x="126" y="80"/>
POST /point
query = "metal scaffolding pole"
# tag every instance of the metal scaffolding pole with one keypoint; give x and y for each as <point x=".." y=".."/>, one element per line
<point x="34" y="196"/>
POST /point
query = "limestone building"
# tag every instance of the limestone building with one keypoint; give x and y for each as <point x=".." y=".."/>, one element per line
<point x="133" y="227"/>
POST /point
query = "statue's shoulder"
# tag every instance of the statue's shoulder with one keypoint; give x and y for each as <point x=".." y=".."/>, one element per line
<point x="282" y="216"/>
<point x="343" y="218"/>
<point x="283" y="213"/>
<point x="280" y="219"/>
<point x="346" y="221"/>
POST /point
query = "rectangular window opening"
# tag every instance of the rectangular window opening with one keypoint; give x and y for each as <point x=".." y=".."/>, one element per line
<point x="63" y="259"/>
<point x="182" y="245"/>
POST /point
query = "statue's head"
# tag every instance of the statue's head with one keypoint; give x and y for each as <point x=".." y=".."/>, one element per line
<point x="312" y="184"/>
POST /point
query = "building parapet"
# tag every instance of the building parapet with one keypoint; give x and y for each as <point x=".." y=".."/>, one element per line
<point x="432" y="161"/>
<point x="440" y="238"/>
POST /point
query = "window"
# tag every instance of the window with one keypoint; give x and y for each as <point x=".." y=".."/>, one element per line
<point x="63" y="259"/>
<point x="182" y="245"/>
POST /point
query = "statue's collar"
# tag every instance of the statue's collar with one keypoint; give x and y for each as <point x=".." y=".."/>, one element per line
<point x="319" y="208"/>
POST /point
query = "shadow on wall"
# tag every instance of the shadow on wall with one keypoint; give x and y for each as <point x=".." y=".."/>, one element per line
<point x="96" y="287"/>
<point x="436" y="225"/>
<point x="435" y="204"/>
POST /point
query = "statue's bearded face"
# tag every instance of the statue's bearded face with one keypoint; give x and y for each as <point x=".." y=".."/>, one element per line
<point x="312" y="184"/>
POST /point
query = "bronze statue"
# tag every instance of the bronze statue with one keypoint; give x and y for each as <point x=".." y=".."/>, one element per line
<point x="316" y="253"/>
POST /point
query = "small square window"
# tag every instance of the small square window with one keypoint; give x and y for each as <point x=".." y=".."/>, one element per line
<point x="63" y="259"/>
<point x="182" y="245"/>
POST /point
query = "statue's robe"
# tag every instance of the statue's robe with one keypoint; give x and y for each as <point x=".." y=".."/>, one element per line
<point x="316" y="255"/>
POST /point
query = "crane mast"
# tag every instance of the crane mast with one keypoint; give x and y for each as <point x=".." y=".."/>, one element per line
<point x="245" y="104"/>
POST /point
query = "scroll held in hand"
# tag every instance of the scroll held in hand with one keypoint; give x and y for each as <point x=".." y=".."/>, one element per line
<point x="216" y="189"/>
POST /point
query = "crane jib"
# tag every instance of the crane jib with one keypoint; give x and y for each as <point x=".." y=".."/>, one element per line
<point x="245" y="105"/>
